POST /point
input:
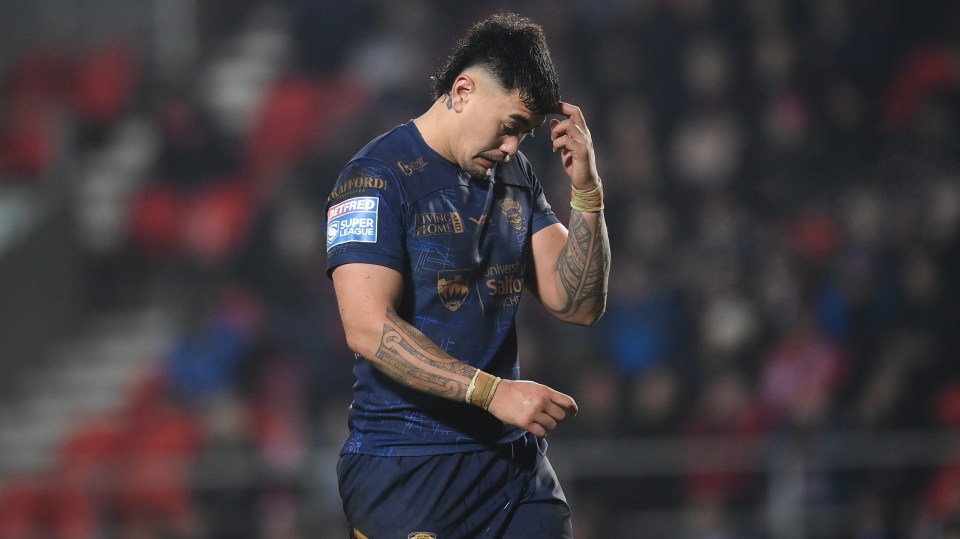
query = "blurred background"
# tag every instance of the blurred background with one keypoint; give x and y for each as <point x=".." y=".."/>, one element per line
<point x="780" y="354"/>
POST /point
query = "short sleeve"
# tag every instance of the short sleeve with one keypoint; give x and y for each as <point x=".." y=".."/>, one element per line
<point x="364" y="217"/>
<point x="543" y="215"/>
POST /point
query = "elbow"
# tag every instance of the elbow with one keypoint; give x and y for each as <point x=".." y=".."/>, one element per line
<point x="587" y="316"/>
<point x="362" y="343"/>
<point x="588" y="319"/>
<point x="355" y="345"/>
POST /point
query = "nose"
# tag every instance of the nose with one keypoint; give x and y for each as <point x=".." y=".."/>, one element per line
<point x="510" y="145"/>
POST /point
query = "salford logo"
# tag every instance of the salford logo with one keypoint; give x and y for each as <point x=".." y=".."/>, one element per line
<point x="453" y="286"/>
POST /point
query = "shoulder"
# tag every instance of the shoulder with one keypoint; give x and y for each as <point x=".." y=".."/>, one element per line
<point x="362" y="181"/>
<point x="518" y="171"/>
<point x="374" y="170"/>
<point x="398" y="151"/>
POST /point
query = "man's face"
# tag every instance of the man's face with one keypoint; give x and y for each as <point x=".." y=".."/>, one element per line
<point x="493" y="124"/>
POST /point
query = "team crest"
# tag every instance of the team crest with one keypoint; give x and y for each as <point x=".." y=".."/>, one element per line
<point x="511" y="209"/>
<point x="422" y="535"/>
<point x="453" y="286"/>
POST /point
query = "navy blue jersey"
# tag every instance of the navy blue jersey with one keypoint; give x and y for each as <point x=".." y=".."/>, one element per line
<point x="463" y="246"/>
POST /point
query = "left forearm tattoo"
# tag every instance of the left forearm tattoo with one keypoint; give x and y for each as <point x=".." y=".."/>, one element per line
<point x="583" y="266"/>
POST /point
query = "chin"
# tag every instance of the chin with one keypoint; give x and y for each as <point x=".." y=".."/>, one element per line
<point x="479" y="173"/>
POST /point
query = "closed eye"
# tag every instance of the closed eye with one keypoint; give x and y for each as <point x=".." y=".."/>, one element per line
<point x="516" y="131"/>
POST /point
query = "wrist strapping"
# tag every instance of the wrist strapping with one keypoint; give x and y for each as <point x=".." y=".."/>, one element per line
<point x="587" y="201"/>
<point x="481" y="389"/>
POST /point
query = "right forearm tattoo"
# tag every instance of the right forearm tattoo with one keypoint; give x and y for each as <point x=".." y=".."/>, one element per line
<point x="409" y="357"/>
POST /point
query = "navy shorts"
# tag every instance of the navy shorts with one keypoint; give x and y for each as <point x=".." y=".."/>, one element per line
<point x="510" y="491"/>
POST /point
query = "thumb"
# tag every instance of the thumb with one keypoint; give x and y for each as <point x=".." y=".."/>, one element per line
<point x="566" y="402"/>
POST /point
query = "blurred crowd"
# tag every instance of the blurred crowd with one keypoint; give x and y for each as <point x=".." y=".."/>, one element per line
<point x="783" y="199"/>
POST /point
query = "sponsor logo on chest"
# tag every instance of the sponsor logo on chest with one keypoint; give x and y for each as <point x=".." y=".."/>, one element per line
<point x="428" y="224"/>
<point x="504" y="283"/>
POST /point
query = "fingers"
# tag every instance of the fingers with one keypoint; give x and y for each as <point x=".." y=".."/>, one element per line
<point x="571" y="111"/>
<point x="568" y="134"/>
<point x="567" y="403"/>
<point x="583" y="133"/>
<point x="541" y="424"/>
<point x="547" y="422"/>
<point x="533" y="407"/>
<point x="559" y="128"/>
<point x="557" y="409"/>
<point x="561" y="143"/>
<point x="567" y="141"/>
<point x="560" y="406"/>
<point x="536" y="430"/>
<point x="572" y="138"/>
<point x="573" y="115"/>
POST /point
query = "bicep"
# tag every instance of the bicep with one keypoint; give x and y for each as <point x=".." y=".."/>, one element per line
<point x="365" y="292"/>
<point x="547" y="245"/>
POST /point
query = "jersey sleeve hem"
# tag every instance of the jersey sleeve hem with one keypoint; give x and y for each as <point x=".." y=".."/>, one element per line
<point x="544" y="221"/>
<point x="354" y="257"/>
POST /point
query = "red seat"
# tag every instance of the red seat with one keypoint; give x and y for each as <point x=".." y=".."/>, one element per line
<point x="923" y="72"/>
<point x="217" y="220"/>
<point x="40" y="74"/>
<point x="159" y="442"/>
<point x="22" y="505"/>
<point x="104" y="83"/>
<point x="297" y="116"/>
<point x="289" y="119"/>
<point x="28" y="143"/>
<point x="155" y="219"/>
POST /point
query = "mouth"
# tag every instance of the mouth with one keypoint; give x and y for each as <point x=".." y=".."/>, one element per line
<point x="489" y="163"/>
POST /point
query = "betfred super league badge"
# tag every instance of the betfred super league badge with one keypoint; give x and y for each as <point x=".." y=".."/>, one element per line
<point x="353" y="220"/>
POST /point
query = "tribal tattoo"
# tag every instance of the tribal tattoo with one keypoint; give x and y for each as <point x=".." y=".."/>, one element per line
<point x="409" y="357"/>
<point x="584" y="264"/>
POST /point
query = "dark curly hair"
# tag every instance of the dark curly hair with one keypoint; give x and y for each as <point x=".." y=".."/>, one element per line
<point x="514" y="50"/>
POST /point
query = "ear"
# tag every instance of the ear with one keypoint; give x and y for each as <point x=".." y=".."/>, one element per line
<point x="463" y="89"/>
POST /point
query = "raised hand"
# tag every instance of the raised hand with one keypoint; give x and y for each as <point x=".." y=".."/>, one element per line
<point x="573" y="139"/>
